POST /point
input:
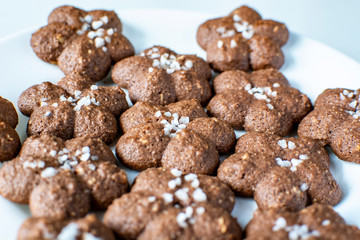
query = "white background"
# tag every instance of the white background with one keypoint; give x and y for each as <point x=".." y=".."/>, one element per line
<point x="333" y="22"/>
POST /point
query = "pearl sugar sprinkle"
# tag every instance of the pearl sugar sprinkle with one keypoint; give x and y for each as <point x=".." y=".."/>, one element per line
<point x="95" y="31"/>
<point x="354" y="104"/>
<point x="166" y="61"/>
<point x="295" y="231"/>
<point x="246" y="30"/>
<point x="262" y="93"/>
<point x="175" y="125"/>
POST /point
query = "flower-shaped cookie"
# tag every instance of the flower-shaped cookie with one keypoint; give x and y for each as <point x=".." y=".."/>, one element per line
<point x="335" y="121"/>
<point x="87" y="228"/>
<point x="160" y="76"/>
<point x="281" y="173"/>
<point x="9" y="139"/>
<point x="165" y="204"/>
<point x="73" y="108"/>
<point x="314" y="222"/>
<point x="243" y="41"/>
<point x="260" y="101"/>
<point x="86" y="42"/>
<point x="179" y="135"/>
<point x="63" y="179"/>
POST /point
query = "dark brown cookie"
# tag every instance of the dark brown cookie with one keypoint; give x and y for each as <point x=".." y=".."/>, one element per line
<point x="9" y="139"/>
<point x="335" y="122"/>
<point x="160" y="180"/>
<point x="203" y="201"/>
<point x="85" y="42"/>
<point x="63" y="179"/>
<point x="87" y="228"/>
<point x="260" y="101"/>
<point x="314" y="222"/>
<point x="165" y="136"/>
<point x="243" y="41"/>
<point x="205" y="221"/>
<point x="74" y="108"/>
<point x="281" y="173"/>
<point x="160" y="76"/>
<point x="217" y="131"/>
<point x="59" y="196"/>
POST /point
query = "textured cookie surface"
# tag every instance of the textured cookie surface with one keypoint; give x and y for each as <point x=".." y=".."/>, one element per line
<point x="9" y="139"/>
<point x="335" y="121"/>
<point x="243" y="41"/>
<point x="63" y="179"/>
<point x="81" y="41"/>
<point x="73" y="108"/>
<point x="281" y="173"/>
<point x="166" y="204"/>
<point x="314" y="222"/>
<point x="42" y="228"/>
<point x="260" y="101"/>
<point x="160" y="76"/>
<point x="179" y="135"/>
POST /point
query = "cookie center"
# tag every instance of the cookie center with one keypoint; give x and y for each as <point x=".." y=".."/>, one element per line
<point x="175" y="125"/>
<point x="166" y="61"/>
<point x="294" y="162"/>
<point x="65" y="160"/>
<point x="76" y="100"/>
<point x="239" y="26"/>
<point x="263" y="93"/>
<point x="95" y="32"/>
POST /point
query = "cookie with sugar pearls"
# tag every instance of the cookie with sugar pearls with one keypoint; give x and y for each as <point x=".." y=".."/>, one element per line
<point x="187" y="201"/>
<point x="280" y="173"/>
<point x="156" y="135"/>
<point x="60" y="179"/>
<point x="335" y="122"/>
<point x="81" y="41"/>
<point x="261" y="101"/>
<point x="243" y="41"/>
<point x="160" y="76"/>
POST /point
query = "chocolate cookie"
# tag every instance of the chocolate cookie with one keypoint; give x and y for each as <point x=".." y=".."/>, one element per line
<point x="179" y="135"/>
<point x="42" y="228"/>
<point x="261" y="101"/>
<point x="190" y="203"/>
<point x="160" y="76"/>
<point x="85" y="42"/>
<point x="74" y="108"/>
<point x="314" y="222"/>
<point x="243" y="41"/>
<point x="281" y="173"/>
<point x="335" y="122"/>
<point x="9" y="139"/>
<point x="63" y="179"/>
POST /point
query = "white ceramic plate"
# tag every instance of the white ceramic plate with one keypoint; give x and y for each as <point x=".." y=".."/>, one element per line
<point x="310" y="66"/>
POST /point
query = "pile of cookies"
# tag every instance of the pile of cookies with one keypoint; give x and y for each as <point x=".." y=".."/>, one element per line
<point x="179" y="134"/>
